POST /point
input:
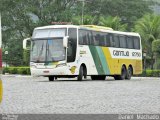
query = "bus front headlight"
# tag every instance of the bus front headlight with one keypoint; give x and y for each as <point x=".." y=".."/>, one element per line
<point x="61" y="65"/>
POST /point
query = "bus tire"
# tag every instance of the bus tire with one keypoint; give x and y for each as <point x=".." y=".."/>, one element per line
<point x="81" y="74"/>
<point x="123" y="74"/>
<point x="129" y="73"/>
<point x="51" y="78"/>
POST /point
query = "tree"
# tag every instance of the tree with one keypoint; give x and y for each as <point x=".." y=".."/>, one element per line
<point x="20" y="17"/>
<point x="113" y="22"/>
<point x="156" y="51"/>
<point x="128" y="10"/>
<point x="149" y="29"/>
<point x="88" y="20"/>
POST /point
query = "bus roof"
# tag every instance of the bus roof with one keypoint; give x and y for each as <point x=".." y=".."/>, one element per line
<point x="89" y="27"/>
<point x="97" y="27"/>
<point x="57" y="26"/>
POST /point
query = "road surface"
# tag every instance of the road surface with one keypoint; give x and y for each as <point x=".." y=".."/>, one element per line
<point x="30" y="95"/>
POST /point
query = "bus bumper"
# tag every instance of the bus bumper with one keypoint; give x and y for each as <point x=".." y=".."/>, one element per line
<point x="1" y="91"/>
<point x="59" y="71"/>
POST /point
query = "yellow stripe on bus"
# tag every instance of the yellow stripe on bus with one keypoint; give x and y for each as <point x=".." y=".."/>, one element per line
<point x="115" y="64"/>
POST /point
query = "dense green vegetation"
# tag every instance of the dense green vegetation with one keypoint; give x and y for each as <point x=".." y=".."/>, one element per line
<point x="20" y="17"/>
<point x="149" y="28"/>
<point x="17" y="70"/>
<point x="150" y="73"/>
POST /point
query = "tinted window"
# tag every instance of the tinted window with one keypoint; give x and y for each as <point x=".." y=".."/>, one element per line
<point x="96" y="38"/>
<point x="107" y="40"/>
<point x="102" y="40"/>
<point x="72" y="44"/>
<point x="111" y="39"/>
<point x="130" y="42"/>
<point x="80" y="37"/>
<point x="116" y="40"/>
<point x="90" y="37"/>
<point x="123" y="41"/>
<point x="84" y="37"/>
<point x="136" y="42"/>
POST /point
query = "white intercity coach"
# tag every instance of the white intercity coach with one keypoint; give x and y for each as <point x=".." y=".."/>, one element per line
<point x="80" y="51"/>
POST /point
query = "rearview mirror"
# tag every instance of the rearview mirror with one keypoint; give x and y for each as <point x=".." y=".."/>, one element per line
<point x="65" y="41"/>
<point x="25" y="41"/>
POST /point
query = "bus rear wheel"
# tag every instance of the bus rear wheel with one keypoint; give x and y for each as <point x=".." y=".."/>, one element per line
<point x="123" y="74"/>
<point x="51" y="78"/>
<point x="129" y="73"/>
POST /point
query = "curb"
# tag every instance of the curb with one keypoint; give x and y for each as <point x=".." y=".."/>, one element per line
<point x="10" y="75"/>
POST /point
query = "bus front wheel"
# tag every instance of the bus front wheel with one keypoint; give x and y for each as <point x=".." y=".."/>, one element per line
<point x="51" y="78"/>
<point x="81" y="74"/>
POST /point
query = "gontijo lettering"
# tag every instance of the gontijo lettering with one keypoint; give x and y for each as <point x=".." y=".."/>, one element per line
<point x="120" y="53"/>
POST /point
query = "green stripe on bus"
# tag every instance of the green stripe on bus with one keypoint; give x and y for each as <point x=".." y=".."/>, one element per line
<point x="103" y="60"/>
<point x="97" y="60"/>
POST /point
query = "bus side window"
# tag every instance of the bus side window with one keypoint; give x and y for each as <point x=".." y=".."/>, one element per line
<point x="102" y="41"/>
<point x="136" y="42"/>
<point x="88" y="37"/>
<point x="95" y="38"/>
<point x="80" y="37"/>
<point x="107" y="40"/>
<point x="130" y="42"/>
<point x="85" y="37"/>
<point x="123" y="41"/>
<point x="112" y="42"/>
<point x="116" y="40"/>
<point x="92" y="38"/>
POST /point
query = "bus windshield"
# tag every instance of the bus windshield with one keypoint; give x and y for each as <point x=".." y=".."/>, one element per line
<point x="49" y="33"/>
<point x="50" y="50"/>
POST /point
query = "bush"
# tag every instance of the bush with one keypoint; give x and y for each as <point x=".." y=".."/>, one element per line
<point x="156" y="46"/>
<point x="17" y="70"/>
<point x="5" y="70"/>
<point x="150" y="73"/>
<point x="26" y="71"/>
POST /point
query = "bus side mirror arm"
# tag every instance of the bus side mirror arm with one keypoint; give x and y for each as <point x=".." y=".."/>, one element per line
<point x="25" y="43"/>
<point x="65" y="41"/>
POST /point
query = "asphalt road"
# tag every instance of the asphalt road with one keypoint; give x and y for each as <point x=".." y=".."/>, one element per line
<point x="25" y="94"/>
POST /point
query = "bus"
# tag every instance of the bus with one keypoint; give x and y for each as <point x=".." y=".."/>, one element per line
<point x="66" y="51"/>
<point x="0" y="62"/>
